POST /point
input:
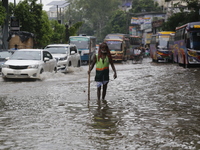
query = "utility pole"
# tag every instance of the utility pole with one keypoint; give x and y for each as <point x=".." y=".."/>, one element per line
<point x="5" y="26"/>
<point x="69" y="17"/>
<point x="127" y="22"/>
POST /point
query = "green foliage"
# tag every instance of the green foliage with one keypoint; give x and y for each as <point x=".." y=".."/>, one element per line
<point x="74" y="28"/>
<point x="96" y="15"/>
<point x="46" y="31"/>
<point x="2" y="14"/>
<point x="58" y="32"/>
<point x="182" y="18"/>
<point x="87" y="29"/>
<point x="179" y="19"/>
<point x="11" y="9"/>
<point x="118" y="22"/>
<point x="193" y="5"/>
<point x="140" y="6"/>
<point x="29" y="13"/>
<point x="33" y="19"/>
<point x="174" y="21"/>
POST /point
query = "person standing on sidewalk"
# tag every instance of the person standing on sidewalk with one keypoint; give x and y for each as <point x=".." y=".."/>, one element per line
<point x="102" y="61"/>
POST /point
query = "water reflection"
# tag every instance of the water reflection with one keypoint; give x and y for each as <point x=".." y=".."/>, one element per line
<point x="2" y="102"/>
<point x="103" y="118"/>
<point x="104" y="123"/>
<point x="149" y="106"/>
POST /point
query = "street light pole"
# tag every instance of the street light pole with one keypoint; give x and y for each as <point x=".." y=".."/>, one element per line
<point x="69" y="17"/>
<point x="57" y="12"/>
<point x="5" y="26"/>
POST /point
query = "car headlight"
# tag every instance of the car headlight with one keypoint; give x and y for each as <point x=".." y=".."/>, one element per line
<point x="4" y="66"/>
<point x="33" y="66"/>
<point x="63" y="58"/>
<point x="192" y="60"/>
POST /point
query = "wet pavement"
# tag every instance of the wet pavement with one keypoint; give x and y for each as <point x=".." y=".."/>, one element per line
<point x="150" y="106"/>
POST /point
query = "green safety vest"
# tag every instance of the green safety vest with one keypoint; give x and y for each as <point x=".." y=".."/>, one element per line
<point x="102" y="69"/>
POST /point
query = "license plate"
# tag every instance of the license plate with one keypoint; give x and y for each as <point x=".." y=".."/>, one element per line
<point x="17" y="72"/>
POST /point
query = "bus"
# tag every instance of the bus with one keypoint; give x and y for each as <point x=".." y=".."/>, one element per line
<point x="119" y="46"/>
<point x="170" y="45"/>
<point x="135" y="42"/>
<point x="187" y="44"/>
<point x="158" y="46"/>
<point x="86" y="46"/>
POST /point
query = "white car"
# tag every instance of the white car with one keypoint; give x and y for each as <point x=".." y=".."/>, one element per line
<point x="66" y="54"/>
<point x="4" y="56"/>
<point x="28" y="63"/>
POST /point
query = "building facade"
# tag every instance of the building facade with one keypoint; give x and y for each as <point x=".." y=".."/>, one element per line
<point x="148" y="23"/>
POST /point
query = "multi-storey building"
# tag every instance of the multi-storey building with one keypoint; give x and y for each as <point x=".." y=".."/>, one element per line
<point x="147" y="23"/>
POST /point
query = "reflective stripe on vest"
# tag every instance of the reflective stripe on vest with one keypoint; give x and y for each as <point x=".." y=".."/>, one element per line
<point x="100" y="66"/>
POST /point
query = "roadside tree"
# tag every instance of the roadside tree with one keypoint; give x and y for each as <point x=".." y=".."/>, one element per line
<point x="58" y="32"/>
<point x="118" y="22"/>
<point x="33" y="19"/>
<point x="139" y="6"/>
<point x="95" y="15"/>
<point x="181" y="18"/>
<point x="2" y="14"/>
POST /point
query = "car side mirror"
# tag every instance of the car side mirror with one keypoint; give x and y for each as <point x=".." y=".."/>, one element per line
<point x="72" y="52"/>
<point x="46" y="59"/>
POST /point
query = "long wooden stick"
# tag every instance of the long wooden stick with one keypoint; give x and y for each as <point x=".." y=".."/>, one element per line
<point x="89" y="77"/>
<point x="89" y="84"/>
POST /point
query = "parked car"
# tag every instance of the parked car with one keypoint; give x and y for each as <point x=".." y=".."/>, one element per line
<point x="28" y="63"/>
<point x="4" y="56"/>
<point x="66" y="54"/>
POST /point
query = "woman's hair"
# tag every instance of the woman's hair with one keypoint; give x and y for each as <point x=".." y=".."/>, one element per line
<point x="102" y="45"/>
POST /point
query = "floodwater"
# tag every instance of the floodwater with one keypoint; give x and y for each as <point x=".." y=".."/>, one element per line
<point x="150" y="106"/>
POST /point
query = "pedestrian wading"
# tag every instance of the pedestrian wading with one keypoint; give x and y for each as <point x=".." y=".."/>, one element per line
<point x="102" y="61"/>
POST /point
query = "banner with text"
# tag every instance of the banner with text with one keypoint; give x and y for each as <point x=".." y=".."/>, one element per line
<point x="140" y="20"/>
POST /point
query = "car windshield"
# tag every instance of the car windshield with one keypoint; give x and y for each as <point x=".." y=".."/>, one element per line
<point x="57" y="50"/>
<point x="26" y="55"/>
<point x="5" y="54"/>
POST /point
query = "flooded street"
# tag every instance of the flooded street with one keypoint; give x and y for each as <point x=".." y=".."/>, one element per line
<point x="149" y="106"/>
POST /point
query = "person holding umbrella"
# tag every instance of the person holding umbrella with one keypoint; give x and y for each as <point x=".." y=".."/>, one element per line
<point x="102" y="61"/>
